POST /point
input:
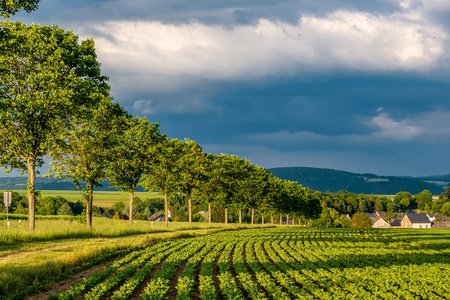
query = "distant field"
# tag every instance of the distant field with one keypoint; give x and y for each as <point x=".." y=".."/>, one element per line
<point x="101" y="198"/>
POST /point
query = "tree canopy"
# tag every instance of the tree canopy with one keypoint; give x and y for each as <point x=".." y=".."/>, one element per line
<point x="11" y="7"/>
<point x="45" y="77"/>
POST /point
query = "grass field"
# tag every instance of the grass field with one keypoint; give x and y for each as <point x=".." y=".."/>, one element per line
<point x="103" y="199"/>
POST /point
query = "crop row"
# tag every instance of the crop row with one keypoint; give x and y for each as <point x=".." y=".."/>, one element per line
<point x="273" y="263"/>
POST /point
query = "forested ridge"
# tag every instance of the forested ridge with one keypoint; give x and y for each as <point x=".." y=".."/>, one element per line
<point x="328" y="180"/>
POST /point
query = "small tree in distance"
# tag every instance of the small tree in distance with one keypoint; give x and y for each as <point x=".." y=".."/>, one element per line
<point x="361" y="220"/>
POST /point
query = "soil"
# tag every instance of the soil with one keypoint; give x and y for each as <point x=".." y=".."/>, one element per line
<point x="62" y="286"/>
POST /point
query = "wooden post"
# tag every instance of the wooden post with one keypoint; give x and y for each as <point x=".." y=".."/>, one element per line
<point x="226" y="215"/>
<point x="166" y="209"/>
<point x="209" y="213"/>
<point x="190" y="209"/>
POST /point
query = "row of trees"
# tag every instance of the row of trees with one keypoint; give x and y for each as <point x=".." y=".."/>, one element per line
<point x="55" y="102"/>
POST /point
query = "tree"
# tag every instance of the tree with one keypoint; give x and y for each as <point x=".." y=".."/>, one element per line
<point x="424" y="198"/>
<point x="191" y="165"/>
<point x="361" y="220"/>
<point x="50" y="205"/>
<point x="45" y="77"/>
<point x="445" y="209"/>
<point x="85" y="152"/>
<point x="164" y="173"/>
<point x="133" y="155"/>
<point x="210" y="186"/>
<point x="402" y="200"/>
<point x="65" y="210"/>
<point x="11" y="7"/>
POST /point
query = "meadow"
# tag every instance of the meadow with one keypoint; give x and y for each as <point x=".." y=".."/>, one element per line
<point x="104" y="199"/>
<point x="122" y="261"/>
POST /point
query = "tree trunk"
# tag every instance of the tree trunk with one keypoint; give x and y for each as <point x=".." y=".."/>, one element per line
<point x="89" y="195"/>
<point x="293" y="220"/>
<point x="166" y="209"/>
<point x="31" y="190"/>
<point x="271" y="218"/>
<point x="287" y="219"/>
<point x="226" y="215"/>
<point x="131" y="206"/>
<point x="240" y="217"/>
<point x="299" y="220"/>
<point x="190" y="209"/>
<point x="281" y="219"/>
<point x="209" y="213"/>
<point x="262" y="219"/>
<point x="253" y="215"/>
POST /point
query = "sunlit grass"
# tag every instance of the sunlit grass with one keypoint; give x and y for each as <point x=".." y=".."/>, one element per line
<point x="58" y="245"/>
<point x="105" y="199"/>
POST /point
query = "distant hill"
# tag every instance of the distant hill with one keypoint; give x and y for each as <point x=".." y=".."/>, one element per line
<point x="328" y="180"/>
<point x="44" y="183"/>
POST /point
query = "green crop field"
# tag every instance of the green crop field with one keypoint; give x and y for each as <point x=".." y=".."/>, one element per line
<point x="273" y="263"/>
<point x="103" y="199"/>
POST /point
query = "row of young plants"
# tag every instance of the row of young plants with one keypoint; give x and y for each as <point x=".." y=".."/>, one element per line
<point x="273" y="263"/>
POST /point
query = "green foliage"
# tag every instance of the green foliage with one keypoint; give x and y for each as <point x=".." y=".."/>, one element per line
<point x="218" y="214"/>
<point x="11" y="7"/>
<point x="423" y="199"/>
<point x="328" y="218"/>
<point x="47" y="77"/>
<point x="65" y="210"/>
<point x="445" y="209"/>
<point x="50" y="205"/>
<point x="361" y="220"/>
<point x="402" y="200"/>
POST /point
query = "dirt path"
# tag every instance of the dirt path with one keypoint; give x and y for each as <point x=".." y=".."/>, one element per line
<point x="60" y="287"/>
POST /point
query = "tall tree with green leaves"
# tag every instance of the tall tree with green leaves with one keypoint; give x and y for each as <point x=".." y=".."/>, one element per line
<point x="210" y="188"/>
<point x="86" y="150"/>
<point x="191" y="171"/>
<point x="133" y="155"/>
<point x="164" y="173"/>
<point x="46" y="76"/>
<point x="11" y="7"/>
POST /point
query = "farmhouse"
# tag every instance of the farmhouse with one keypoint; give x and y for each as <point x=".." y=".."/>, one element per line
<point x="416" y="221"/>
<point x="378" y="222"/>
<point x="157" y="217"/>
<point x="396" y="222"/>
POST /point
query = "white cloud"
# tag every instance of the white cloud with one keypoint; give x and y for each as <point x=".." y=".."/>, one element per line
<point x="341" y="40"/>
<point x="144" y="107"/>
<point x="400" y="131"/>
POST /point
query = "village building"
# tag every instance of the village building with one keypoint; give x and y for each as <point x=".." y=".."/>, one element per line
<point x="416" y="221"/>
<point x="396" y="222"/>
<point x="381" y="223"/>
<point x="157" y="217"/>
<point x="377" y="221"/>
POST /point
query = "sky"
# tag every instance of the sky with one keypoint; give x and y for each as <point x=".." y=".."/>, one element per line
<point x="360" y="86"/>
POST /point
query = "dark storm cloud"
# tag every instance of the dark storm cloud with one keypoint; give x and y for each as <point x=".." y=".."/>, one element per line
<point x="354" y="85"/>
